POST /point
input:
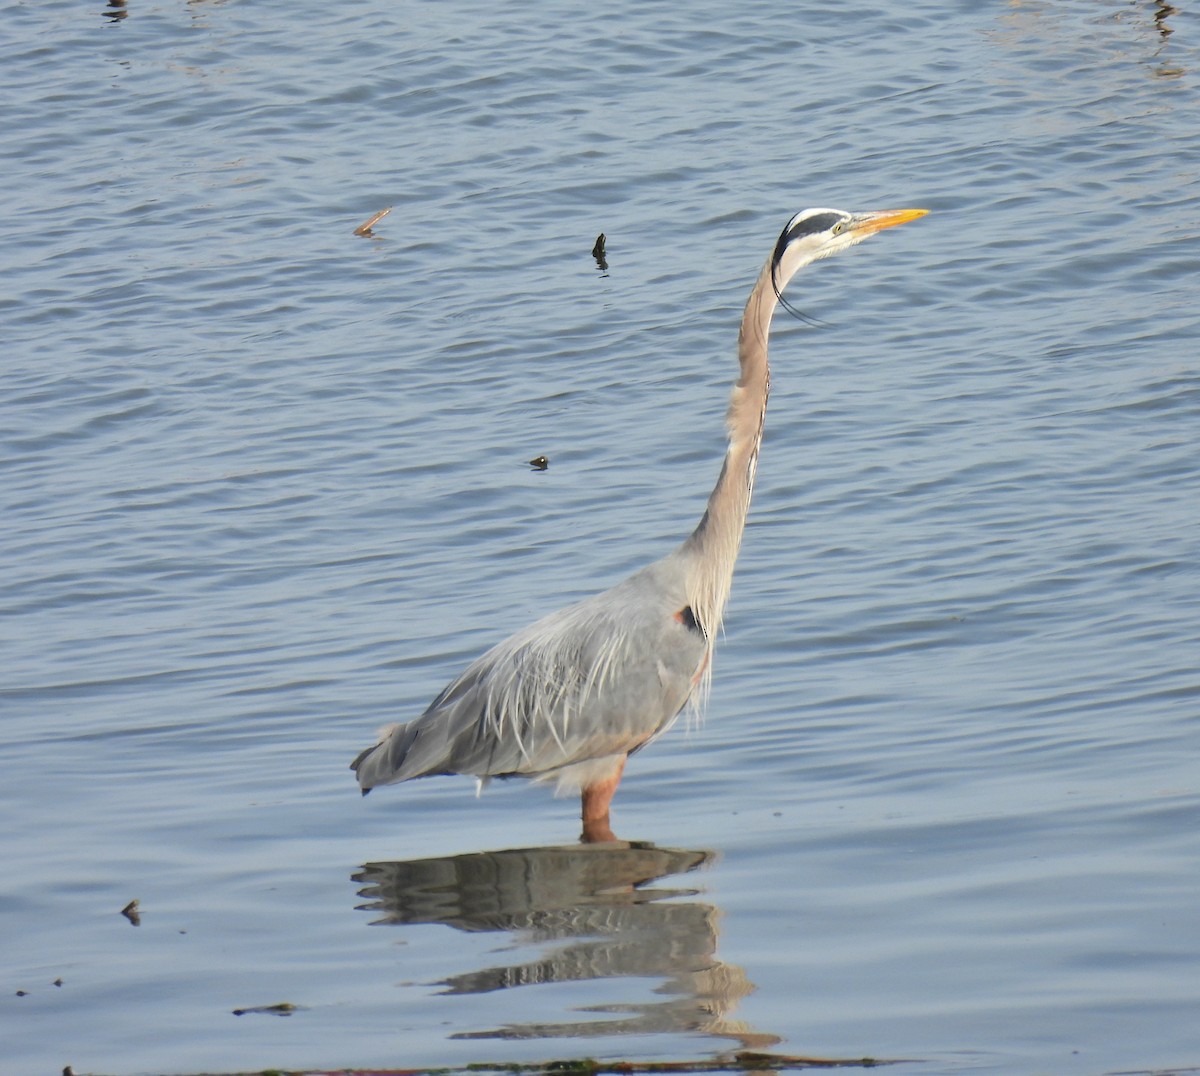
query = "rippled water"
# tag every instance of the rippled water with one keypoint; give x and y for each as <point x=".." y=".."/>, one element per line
<point x="264" y="489"/>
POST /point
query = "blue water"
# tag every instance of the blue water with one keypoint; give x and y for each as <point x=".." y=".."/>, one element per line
<point x="264" y="489"/>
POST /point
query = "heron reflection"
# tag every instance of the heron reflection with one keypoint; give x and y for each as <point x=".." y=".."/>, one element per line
<point x="598" y="908"/>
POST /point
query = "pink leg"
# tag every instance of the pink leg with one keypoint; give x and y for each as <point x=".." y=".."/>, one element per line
<point x="596" y="799"/>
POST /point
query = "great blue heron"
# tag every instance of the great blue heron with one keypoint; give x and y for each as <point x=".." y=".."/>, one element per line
<point x="570" y="697"/>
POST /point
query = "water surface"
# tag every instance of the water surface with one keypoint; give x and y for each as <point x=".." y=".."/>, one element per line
<point x="265" y="489"/>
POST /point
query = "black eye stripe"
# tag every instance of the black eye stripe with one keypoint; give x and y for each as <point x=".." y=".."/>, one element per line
<point x="822" y="222"/>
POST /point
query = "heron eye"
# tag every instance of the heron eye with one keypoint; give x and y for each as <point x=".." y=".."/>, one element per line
<point x="838" y="228"/>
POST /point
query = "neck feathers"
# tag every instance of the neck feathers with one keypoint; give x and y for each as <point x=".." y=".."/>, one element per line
<point x="713" y="545"/>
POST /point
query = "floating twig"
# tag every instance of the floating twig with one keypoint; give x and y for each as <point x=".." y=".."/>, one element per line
<point x="132" y="913"/>
<point x="283" y="1008"/>
<point x="364" y="229"/>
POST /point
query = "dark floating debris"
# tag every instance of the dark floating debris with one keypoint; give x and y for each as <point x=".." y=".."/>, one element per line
<point x="132" y="913"/>
<point x="539" y="463"/>
<point x="364" y="229"/>
<point x="598" y="252"/>
<point x="22" y="993"/>
<point x="284" y="1008"/>
<point x="58" y="981"/>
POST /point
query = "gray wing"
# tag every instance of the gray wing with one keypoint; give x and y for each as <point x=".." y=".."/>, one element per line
<point x="595" y="679"/>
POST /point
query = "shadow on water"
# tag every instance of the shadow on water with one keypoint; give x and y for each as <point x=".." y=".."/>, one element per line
<point x="599" y="904"/>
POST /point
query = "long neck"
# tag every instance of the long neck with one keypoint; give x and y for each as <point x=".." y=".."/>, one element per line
<point x="713" y="545"/>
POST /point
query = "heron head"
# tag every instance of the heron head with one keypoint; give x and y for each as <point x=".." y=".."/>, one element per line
<point x="817" y="233"/>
